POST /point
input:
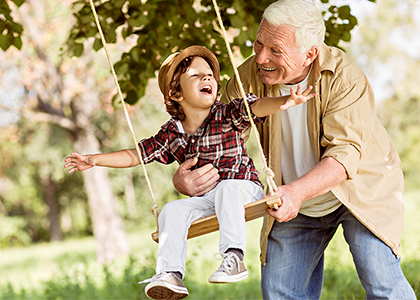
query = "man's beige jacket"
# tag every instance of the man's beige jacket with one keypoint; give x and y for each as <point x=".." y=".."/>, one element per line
<point x="343" y="125"/>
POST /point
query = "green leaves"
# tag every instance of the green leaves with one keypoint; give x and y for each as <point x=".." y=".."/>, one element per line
<point x="163" y="27"/>
<point x="18" y="2"/>
<point x="339" y="24"/>
<point x="10" y="31"/>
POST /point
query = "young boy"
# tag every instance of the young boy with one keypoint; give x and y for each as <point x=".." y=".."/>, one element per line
<point x="205" y="128"/>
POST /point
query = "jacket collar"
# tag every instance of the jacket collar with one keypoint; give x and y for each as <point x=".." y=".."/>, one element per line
<point x="324" y="62"/>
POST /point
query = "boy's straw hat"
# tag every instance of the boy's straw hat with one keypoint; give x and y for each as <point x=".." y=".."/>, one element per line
<point x="167" y="70"/>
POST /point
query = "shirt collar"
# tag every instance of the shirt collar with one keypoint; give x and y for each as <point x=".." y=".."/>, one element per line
<point x="172" y="125"/>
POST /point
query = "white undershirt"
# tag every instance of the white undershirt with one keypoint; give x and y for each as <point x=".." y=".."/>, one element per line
<point x="180" y="127"/>
<point x="298" y="155"/>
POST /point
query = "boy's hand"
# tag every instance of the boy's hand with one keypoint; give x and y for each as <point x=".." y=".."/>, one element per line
<point x="298" y="97"/>
<point x="78" y="162"/>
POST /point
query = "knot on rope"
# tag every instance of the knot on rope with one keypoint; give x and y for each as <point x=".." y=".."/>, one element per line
<point x="269" y="172"/>
<point x="272" y="187"/>
<point x="155" y="210"/>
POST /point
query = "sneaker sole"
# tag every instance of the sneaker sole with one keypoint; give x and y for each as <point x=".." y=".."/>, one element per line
<point x="228" y="279"/>
<point x="160" y="292"/>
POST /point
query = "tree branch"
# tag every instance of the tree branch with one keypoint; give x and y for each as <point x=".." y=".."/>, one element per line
<point x="39" y="117"/>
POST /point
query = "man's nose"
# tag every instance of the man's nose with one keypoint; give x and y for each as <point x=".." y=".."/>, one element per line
<point x="262" y="57"/>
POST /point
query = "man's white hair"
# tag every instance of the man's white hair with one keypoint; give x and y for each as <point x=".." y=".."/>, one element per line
<point x="304" y="16"/>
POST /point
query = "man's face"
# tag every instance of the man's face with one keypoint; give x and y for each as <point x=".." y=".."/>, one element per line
<point x="278" y="57"/>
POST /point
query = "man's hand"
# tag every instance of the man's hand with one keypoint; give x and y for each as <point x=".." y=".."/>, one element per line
<point x="326" y="175"/>
<point x="196" y="182"/>
<point x="290" y="206"/>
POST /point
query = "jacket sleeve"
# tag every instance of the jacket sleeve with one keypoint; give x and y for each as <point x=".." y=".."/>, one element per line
<point x="347" y="120"/>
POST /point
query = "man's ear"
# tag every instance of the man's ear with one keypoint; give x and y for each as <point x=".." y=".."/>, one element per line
<point x="311" y="55"/>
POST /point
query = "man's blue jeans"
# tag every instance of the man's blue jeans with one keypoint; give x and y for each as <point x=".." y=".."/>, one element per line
<point x="295" y="259"/>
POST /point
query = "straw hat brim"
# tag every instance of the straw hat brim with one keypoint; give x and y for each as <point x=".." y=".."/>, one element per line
<point x="168" y="68"/>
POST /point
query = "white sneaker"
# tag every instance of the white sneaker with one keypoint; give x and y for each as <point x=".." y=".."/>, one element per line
<point x="165" y="286"/>
<point x="232" y="269"/>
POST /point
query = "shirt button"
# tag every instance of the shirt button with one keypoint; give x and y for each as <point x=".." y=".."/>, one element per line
<point x="192" y="141"/>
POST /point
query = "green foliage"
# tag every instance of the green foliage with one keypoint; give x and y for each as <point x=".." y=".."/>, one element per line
<point x="13" y="232"/>
<point x="339" y="24"/>
<point x="30" y="155"/>
<point x="399" y="115"/>
<point x="163" y="27"/>
<point x="10" y="31"/>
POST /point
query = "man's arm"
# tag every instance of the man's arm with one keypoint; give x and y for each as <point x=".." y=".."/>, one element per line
<point x="326" y="175"/>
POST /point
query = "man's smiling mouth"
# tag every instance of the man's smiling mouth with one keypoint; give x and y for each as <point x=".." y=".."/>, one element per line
<point x="268" y="69"/>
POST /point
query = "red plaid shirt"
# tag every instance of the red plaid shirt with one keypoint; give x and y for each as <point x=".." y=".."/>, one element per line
<point x="218" y="141"/>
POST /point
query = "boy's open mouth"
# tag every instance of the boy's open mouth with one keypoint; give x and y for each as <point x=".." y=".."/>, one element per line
<point x="206" y="89"/>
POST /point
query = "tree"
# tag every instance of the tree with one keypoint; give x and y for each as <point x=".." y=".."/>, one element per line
<point x="66" y="94"/>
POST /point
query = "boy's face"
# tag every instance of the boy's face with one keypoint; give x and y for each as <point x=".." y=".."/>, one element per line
<point x="198" y="87"/>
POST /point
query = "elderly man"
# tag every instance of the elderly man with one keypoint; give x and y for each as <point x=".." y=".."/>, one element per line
<point x="334" y="162"/>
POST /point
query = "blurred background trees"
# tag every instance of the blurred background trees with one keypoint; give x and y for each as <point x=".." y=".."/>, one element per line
<point x="57" y="96"/>
<point x="387" y="50"/>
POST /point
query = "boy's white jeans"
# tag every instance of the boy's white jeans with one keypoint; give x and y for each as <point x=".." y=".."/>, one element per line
<point x="227" y="200"/>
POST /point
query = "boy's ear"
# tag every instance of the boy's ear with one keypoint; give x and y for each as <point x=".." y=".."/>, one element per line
<point x="173" y="97"/>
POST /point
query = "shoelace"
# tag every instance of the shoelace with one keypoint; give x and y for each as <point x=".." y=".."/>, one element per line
<point x="161" y="276"/>
<point x="228" y="263"/>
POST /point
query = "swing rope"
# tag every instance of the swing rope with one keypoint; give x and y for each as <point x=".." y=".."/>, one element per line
<point x="155" y="206"/>
<point x="269" y="173"/>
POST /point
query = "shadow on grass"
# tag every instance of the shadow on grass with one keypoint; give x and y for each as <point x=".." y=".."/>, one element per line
<point x="121" y="283"/>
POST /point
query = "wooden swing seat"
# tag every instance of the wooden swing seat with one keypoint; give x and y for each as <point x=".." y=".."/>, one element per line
<point x="209" y="224"/>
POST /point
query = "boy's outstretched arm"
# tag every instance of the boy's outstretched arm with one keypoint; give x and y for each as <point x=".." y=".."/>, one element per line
<point x="118" y="159"/>
<point x="271" y="105"/>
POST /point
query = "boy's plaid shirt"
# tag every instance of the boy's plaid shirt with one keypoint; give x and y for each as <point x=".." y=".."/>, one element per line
<point x="218" y="141"/>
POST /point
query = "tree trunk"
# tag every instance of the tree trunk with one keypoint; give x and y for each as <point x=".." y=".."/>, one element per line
<point x="55" y="228"/>
<point x="130" y="197"/>
<point x="108" y="226"/>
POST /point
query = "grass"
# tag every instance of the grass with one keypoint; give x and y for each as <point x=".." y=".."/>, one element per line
<point x="69" y="270"/>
